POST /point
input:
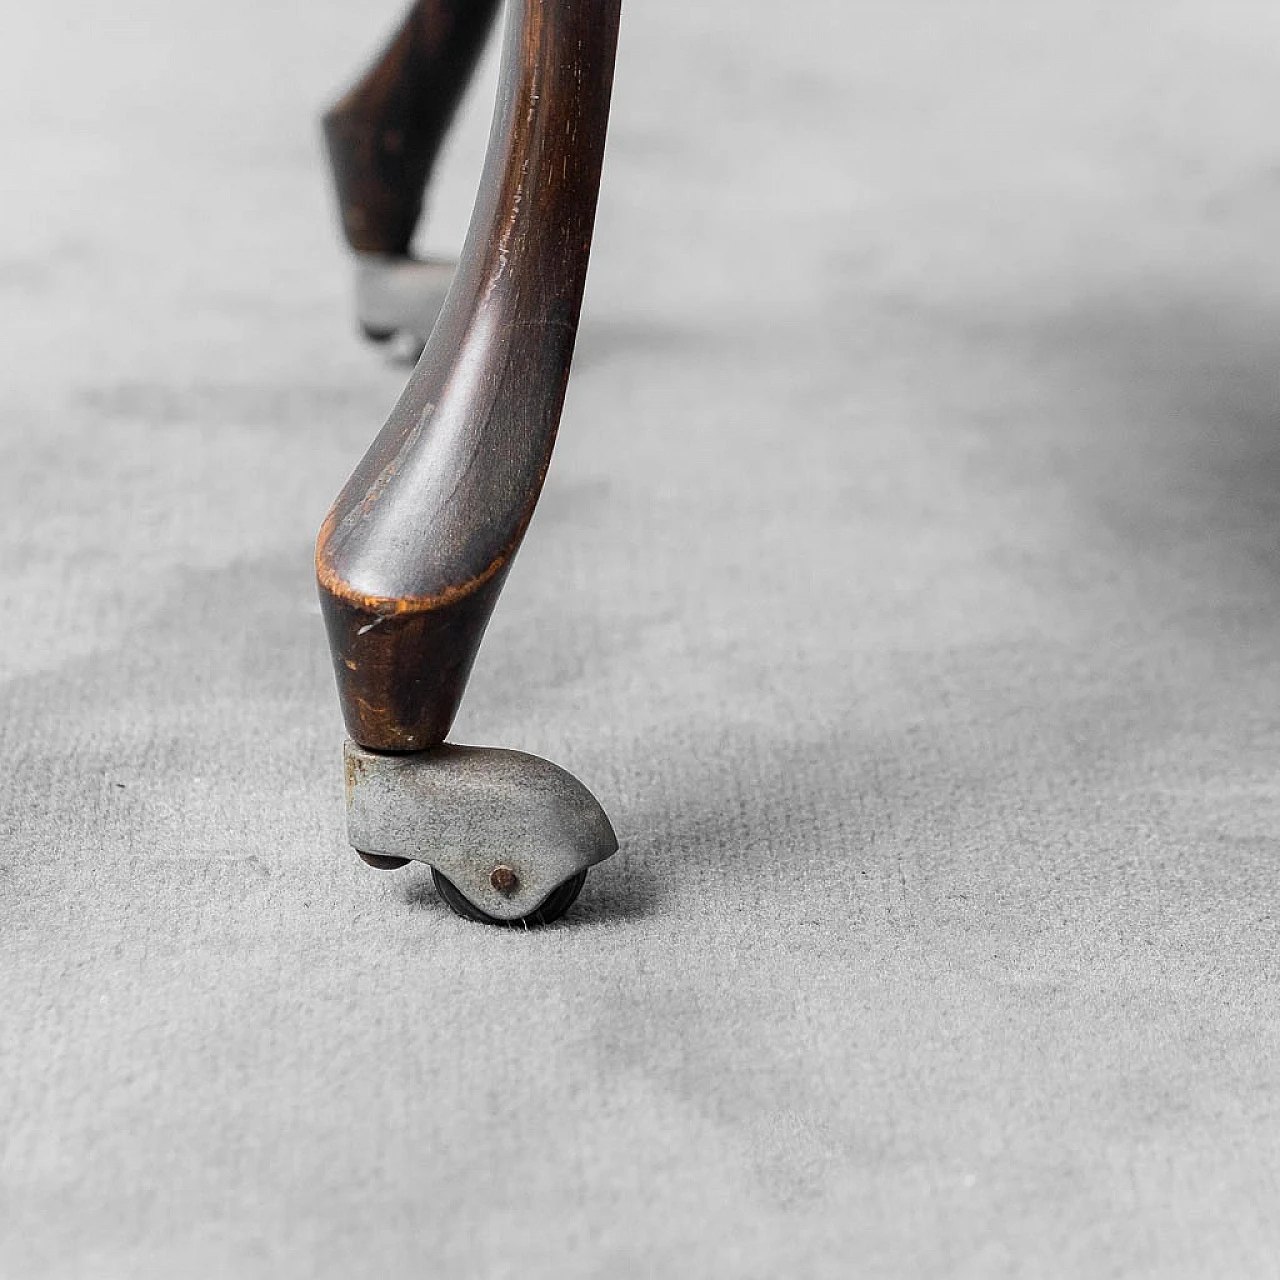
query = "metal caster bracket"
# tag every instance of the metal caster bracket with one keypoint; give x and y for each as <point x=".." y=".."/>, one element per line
<point x="506" y="829"/>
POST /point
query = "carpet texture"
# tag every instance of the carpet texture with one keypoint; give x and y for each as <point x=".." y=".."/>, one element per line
<point x="906" y="585"/>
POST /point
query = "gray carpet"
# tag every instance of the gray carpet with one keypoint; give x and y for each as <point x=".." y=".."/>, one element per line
<point x="906" y="585"/>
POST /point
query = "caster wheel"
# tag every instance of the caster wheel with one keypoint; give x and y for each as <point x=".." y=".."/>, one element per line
<point x="561" y="899"/>
<point x="374" y="334"/>
<point x="382" y="862"/>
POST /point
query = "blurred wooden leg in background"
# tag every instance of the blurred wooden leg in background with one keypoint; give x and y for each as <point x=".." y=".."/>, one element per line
<point x="383" y="136"/>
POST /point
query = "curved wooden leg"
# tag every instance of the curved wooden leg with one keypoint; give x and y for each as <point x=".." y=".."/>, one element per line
<point x="383" y="136"/>
<point x="415" y="551"/>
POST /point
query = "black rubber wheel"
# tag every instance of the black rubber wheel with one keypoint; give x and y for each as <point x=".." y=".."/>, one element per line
<point x="374" y="334"/>
<point x="561" y="899"/>
<point x="383" y="861"/>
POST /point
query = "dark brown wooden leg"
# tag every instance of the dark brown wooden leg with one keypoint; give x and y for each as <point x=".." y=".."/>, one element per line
<point x="415" y="551"/>
<point x="383" y="135"/>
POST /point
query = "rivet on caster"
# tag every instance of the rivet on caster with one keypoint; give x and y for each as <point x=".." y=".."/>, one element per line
<point x="414" y="553"/>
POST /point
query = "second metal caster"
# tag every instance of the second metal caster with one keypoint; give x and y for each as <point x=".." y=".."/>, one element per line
<point x="400" y="297"/>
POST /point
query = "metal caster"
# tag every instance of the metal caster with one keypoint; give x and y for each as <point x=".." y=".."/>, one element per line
<point x="508" y="836"/>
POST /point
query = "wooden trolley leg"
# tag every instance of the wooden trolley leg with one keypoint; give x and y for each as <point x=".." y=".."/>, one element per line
<point x="415" y="551"/>
<point x="383" y="136"/>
